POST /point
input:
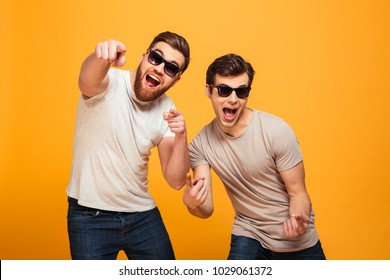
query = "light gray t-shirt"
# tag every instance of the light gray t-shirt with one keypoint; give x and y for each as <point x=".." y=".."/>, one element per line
<point x="113" y="137"/>
<point x="249" y="167"/>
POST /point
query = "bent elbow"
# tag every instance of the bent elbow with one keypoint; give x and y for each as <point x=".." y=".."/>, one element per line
<point x="208" y="214"/>
<point x="177" y="185"/>
<point x="202" y="213"/>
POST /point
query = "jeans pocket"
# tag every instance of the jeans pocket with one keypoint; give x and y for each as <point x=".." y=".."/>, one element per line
<point x="76" y="211"/>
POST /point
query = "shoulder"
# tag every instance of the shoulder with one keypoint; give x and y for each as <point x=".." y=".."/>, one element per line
<point x="209" y="129"/>
<point x="273" y="127"/>
<point x="119" y="74"/>
<point x="268" y="122"/>
<point x="267" y="118"/>
<point x="165" y="100"/>
<point x="204" y="134"/>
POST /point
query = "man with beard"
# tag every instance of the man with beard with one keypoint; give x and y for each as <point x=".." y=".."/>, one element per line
<point x="121" y="116"/>
<point x="258" y="158"/>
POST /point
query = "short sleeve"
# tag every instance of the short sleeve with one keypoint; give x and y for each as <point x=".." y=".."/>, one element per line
<point x="287" y="152"/>
<point x="113" y="83"/>
<point x="197" y="156"/>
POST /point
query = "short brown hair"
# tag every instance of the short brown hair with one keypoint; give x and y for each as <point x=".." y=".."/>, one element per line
<point x="175" y="41"/>
<point x="229" y="65"/>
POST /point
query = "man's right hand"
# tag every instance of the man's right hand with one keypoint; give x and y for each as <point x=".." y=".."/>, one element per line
<point x="111" y="51"/>
<point x="195" y="192"/>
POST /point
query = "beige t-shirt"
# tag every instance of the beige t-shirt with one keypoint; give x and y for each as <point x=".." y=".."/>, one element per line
<point x="113" y="137"/>
<point x="249" y="167"/>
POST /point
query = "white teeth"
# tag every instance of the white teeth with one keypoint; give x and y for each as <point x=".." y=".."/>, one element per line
<point x="154" y="78"/>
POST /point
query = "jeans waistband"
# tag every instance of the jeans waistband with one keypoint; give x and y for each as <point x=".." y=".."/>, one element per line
<point x="75" y="201"/>
<point x="71" y="199"/>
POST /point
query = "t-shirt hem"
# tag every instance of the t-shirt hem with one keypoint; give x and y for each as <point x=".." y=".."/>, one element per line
<point x="114" y="209"/>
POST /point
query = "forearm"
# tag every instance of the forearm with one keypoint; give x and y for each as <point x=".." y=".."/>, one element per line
<point x="179" y="162"/>
<point x="93" y="75"/>
<point x="300" y="204"/>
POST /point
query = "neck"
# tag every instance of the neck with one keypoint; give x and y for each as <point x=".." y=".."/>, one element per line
<point x="240" y="126"/>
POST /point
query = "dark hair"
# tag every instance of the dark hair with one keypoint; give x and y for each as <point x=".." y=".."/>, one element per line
<point x="175" y="41"/>
<point x="229" y="65"/>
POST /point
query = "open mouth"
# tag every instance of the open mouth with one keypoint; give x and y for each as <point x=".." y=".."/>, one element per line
<point x="229" y="113"/>
<point x="152" y="81"/>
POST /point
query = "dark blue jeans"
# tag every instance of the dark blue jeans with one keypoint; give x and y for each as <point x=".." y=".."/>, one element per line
<point x="244" y="248"/>
<point x="100" y="235"/>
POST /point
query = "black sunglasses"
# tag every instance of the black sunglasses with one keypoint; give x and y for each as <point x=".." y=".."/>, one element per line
<point x="169" y="68"/>
<point x="225" y="91"/>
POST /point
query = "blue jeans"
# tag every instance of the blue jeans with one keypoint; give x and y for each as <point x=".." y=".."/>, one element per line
<point x="244" y="248"/>
<point x="100" y="235"/>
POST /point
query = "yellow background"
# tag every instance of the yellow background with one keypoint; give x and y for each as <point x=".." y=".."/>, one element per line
<point x="323" y="66"/>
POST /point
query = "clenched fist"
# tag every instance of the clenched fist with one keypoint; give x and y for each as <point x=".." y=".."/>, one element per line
<point x="111" y="51"/>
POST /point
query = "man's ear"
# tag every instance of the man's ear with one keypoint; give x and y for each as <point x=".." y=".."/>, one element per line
<point x="176" y="80"/>
<point x="208" y="91"/>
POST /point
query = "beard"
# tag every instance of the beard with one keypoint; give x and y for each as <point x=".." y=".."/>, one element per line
<point x="143" y="94"/>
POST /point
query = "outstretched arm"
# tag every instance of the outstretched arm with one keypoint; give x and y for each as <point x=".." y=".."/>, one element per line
<point x="93" y="77"/>
<point x="173" y="151"/>
<point x="198" y="192"/>
<point x="300" y="204"/>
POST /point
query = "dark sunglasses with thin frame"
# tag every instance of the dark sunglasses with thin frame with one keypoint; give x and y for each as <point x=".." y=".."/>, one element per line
<point x="225" y="91"/>
<point x="156" y="59"/>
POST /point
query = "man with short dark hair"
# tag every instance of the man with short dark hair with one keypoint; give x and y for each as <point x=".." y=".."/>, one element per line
<point x="258" y="159"/>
